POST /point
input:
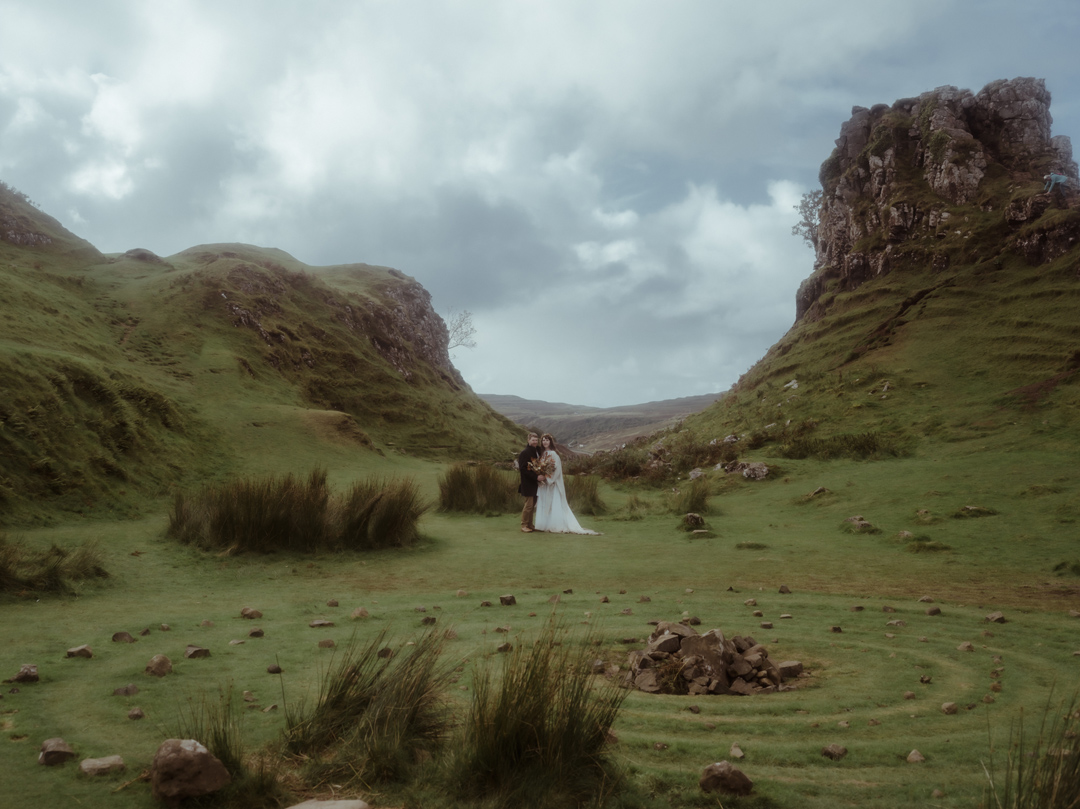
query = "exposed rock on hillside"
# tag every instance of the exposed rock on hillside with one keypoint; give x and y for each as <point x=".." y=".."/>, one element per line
<point x="901" y="176"/>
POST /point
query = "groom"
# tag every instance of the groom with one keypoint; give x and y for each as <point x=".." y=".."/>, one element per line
<point x="529" y="482"/>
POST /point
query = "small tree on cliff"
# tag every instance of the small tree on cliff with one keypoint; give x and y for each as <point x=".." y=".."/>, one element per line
<point x="461" y="329"/>
<point x="809" y="210"/>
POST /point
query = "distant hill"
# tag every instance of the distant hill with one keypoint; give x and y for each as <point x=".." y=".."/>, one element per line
<point x="122" y="376"/>
<point x="592" y="428"/>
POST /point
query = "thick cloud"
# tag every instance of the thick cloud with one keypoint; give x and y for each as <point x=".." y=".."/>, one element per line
<point x="607" y="186"/>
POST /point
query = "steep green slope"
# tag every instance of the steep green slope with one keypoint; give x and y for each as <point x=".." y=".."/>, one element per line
<point x="123" y="376"/>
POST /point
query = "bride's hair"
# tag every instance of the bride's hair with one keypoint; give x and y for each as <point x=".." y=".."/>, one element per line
<point x="550" y="438"/>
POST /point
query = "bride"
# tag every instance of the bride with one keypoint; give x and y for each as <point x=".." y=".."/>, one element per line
<point x="552" y="510"/>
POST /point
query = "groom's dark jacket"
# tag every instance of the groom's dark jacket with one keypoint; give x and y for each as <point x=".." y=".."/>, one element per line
<point x="529" y="483"/>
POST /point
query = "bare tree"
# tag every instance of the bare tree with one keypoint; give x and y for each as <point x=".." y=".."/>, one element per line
<point x="809" y="209"/>
<point x="461" y="329"/>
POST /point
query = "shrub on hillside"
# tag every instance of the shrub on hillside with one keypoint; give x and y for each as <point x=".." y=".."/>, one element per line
<point x="287" y="513"/>
<point x="478" y="489"/>
<point x="535" y="736"/>
<point x="24" y="570"/>
<point x="858" y="446"/>
<point x="692" y="496"/>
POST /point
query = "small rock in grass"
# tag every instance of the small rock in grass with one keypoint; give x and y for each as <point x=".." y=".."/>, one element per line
<point x="193" y="651"/>
<point x="888" y="609"/>
<point x="627" y="611"/>
<point x="660" y="746"/>
<point x="485" y="603"/>
<point x="694" y="709"/>
<point x="785" y="616"/>
<point x="507" y="600"/>
<point x="736" y="752"/>
<point x="874" y="722"/>
<point x="122" y="637"/>
<point x="327" y="643"/>
<point x="360" y="612"/>
<point x="420" y="609"/>
<point x="933" y="611"/>
<point x="750" y="602"/>
<point x="80" y="651"/>
<point x="320" y="623"/>
<point x="996" y="618"/>
<point x="966" y="646"/>
<point x="909" y="695"/>
<point x="385" y="652"/>
<point x="949" y="708"/>
<point x="914" y="757"/>
<point x="834" y="751"/>
<point x="164" y="627"/>
<point x="784" y="589"/>
<point x="605" y="600"/>
<point x="159" y="666"/>
<point x="503" y="647"/>
<point x="55" y="751"/>
<point x="136" y="713"/>
<point x="988" y="699"/>
<point x="995" y="687"/>
<point x="896" y="622"/>
<point x="145" y="632"/>
<point x="926" y="600"/>
<point x="250" y="613"/>
<point x="766" y="625"/>
<point x="644" y="599"/>
<point x="273" y="668"/>
<point x="101" y="766"/>
<point x="843" y="723"/>
<point x="207" y="622"/>
<point x="835" y="629"/>
<point x="925" y="679"/>
<point x="256" y="633"/>
<point x="236" y="643"/>
<point x="333" y="602"/>
<point x="937" y="793"/>
<point x="758" y="614"/>
<point x="857" y="608"/>
<point x="428" y="620"/>
<point x="128" y="690"/>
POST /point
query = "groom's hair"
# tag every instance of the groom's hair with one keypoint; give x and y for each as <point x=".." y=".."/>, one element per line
<point x="533" y="435"/>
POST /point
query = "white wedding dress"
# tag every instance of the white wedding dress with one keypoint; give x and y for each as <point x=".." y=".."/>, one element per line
<point x="553" y="512"/>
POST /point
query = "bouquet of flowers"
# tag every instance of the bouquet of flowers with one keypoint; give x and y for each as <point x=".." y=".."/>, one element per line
<point x="544" y="465"/>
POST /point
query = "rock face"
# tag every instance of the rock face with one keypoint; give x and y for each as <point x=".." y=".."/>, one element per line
<point x="183" y="768"/>
<point x="678" y="660"/>
<point x="897" y="171"/>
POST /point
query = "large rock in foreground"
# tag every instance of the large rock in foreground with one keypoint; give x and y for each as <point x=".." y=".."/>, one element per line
<point x="183" y="768"/>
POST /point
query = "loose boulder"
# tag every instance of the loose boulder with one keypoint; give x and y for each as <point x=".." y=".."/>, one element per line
<point x="159" y="666"/>
<point x="80" y="651"/>
<point x="28" y="673"/>
<point x="101" y="766"/>
<point x="55" y="751"/>
<point x="723" y="776"/>
<point x="183" y="768"/>
<point x="834" y="751"/>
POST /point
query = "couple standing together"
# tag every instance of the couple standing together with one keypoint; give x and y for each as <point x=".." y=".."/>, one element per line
<point x="546" y="507"/>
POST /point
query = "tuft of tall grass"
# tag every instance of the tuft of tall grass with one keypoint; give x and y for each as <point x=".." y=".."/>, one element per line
<point x="535" y="736"/>
<point x="583" y="494"/>
<point x="375" y="717"/>
<point x="478" y="489"/>
<point x="23" y="570"/>
<point x="858" y="446"/>
<point x="693" y="496"/>
<point x="287" y="513"/>
<point x="1044" y="774"/>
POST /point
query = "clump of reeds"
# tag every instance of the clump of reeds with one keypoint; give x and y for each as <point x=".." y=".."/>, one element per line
<point x="478" y="489"/>
<point x="1044" y="774"/>
<point x="583" y="494"/>
<point x="55" y="570"/>
<point x="535" y="736"/>
<point x="858" y="446"/>
<point x="376" y="715"/>
<point x="288" y="513"/>
<point x="692" y="496"/>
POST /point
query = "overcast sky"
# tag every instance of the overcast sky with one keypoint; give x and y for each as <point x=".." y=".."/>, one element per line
<point x="606" y="185"/>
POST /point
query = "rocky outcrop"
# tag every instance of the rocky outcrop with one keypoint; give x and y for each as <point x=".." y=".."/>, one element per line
<point x="901" y="177"/>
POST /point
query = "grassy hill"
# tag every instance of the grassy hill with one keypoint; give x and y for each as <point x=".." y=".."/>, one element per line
<point x="125" y="375"/>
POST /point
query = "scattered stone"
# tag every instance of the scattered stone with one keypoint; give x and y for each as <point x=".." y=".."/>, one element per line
<point x="988" y="699"/>
<point x="693" y="620"/>
<point x="145" y="632"/>
<point x="874" y="722"/>
<point x="256" y="633"/>
<point x="924" y="639"/>
<point x="164" y="627"/>
<point x="660" y="746"/>
<point x="507" y="600"/>
<point x="949" y="708"/>
<point x="207" y="622"/>
<point x="995" y="687"/>
<point x="569" y="591"/>
<point x="784" y="589"/>
<point x="914" y="757"/>
<point x="1074" y="613"/>
<point x="185" y="769"/>
<point x="273" y="668"/>
<point x="55" y="751"/>
<point x="785" y="616"/>
<point x="327" y="643"/>
<point x="193" y="652"/>
<point x="736" y="752"/>
<point x="320" y="623"/>
<point x="428" y="620"/>
<point x="251" y="613"/>
<point x="766" y="625"/>
<point x="622" y="592"/>
<point x="315" y="803"/>
<point x="503" y="629"/>
<point x="236" y="642"/>
<point x="485" y="603"/>
<point x="128" y="690"/>
<point x="925" y="679"/>
<point x="385" y="652"/>
<point x="333" y="602"/>
<point x="887" y="608"/>
<point x="694" y="709"/>
<point x="909" y="695"/>
<point x="420" y="609"/>
<point x="725" y="777"/>
<point x="605" y="600"/>
<point x="790" y="669"/>
<point x="689" y="590"/>
<point x="159" y="666"/>
<point x="270" y="708"/>
<point x="926" y="600"/>
<point x="835" y="629"/>
<point x="758" y="614"/>
<point x="136" y="713"/>
<point x="890" y="635"/>
<point x="504" y="647"/>
<point x="843" y="723"/>
<point x="966" y="646"/>
<point x="896" y="622"/>
<point x="28" y="673"/>
<point x="101" y="766"/>
<point x="996" y="618"/>
<point x="122" y="637"/>
<point x="937" y="793"/>
<point x="360" y="612"/>
<point x="933" y="611"/>
<point x="644" y="599"/>
<point x="750" y="602"/>
<point x="626" y="611"/>
<point x="856" y="608"/>
<point x="834" y="751"/>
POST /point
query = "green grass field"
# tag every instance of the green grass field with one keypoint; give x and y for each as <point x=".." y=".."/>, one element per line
<point x="858" y="676"/>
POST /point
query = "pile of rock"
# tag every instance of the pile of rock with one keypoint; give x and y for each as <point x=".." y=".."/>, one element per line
<point x="679" y="660"/>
